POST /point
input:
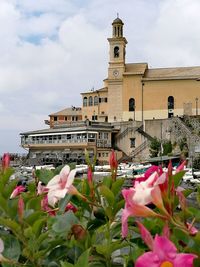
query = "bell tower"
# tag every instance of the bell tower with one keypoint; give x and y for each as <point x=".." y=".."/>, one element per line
<point x="117" y="50"/>
<point x="116" y="70"/>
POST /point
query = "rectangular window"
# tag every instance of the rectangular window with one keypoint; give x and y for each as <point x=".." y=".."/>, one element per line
<point x="132" y="140"/>
<point x="55" y="118"/>
<point x="105" y="135"/>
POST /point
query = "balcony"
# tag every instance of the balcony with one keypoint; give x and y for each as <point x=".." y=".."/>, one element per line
<point x="103" y="143"/>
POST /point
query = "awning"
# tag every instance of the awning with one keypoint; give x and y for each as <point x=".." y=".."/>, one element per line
<point x="162" y="158"/>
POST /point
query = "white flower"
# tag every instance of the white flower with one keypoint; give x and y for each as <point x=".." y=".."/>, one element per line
<point x="60" y="185"/>
<point x="1" y="249"/>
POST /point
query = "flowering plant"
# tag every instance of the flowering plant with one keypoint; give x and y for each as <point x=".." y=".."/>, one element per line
<point x="61" y="220"/>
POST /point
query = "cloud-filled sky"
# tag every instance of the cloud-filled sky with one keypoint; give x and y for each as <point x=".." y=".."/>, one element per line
<point x="52" y="50"/>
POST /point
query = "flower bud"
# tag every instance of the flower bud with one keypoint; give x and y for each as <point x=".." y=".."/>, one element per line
<point x="78" y="231"/>
<point x="5" y="161"/>
<point x="20" y="207"/>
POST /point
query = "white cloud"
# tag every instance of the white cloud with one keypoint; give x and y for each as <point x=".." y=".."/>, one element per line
<point x="174" y="39"/>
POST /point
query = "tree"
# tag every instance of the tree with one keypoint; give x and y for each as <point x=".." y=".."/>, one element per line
<point x="154" y="147"/>
<point x="167" y="147"/>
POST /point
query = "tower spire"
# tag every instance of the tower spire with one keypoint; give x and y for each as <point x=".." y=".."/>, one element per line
<point x="117" y="27"/>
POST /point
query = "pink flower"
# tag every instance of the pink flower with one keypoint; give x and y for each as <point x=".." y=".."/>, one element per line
<point x="146" y="235"/>
<point x="5" y="161"/>
<point x="113" y="160"/>
<point x="45" y="206"/>
<point x="192" y="230"/>
<point x="134" y="207"/>
<point x="148" y="173"/>
<point x="153" y="169"/>
<point x="181" y="166"/>
<point x="41" y="188"/>
<point x="143" y="190"/>
<point x="89" y="175"/>
<point x="20" y="207"/>
<point x="142" y="194"/>
<point x="71" y="207"/>
<point x="18" y="189"/>
<point x="60" y="185"/>
<point x="182" y="199"/>
<point x="164" y="254"/>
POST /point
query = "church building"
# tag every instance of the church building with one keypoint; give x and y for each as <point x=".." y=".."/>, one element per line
<point x="132" y="91"/>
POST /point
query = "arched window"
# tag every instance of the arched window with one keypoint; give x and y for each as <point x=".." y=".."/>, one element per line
<point x="170" y="102"/>
<point x="96" y="101"/>
<point x="116" y="51"/>
<point x="90" y="101"/>
<point x="131" y="104"/>
<point x="85" y="101"/>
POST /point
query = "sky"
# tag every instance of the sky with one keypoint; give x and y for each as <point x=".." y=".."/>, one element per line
<point x="52" y="50"/>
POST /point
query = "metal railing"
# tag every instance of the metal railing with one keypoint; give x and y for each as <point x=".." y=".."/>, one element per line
<point x="139" y="149"/>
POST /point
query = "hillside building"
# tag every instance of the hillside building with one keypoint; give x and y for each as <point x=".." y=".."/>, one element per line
<point x="133" y="98"/>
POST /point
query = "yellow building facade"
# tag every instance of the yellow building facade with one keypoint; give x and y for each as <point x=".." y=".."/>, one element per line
<point x="135" y="92"/>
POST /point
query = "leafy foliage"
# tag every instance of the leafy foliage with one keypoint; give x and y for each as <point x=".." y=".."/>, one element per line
<point x="154" y="147"/>
<point x="84" y="230"/>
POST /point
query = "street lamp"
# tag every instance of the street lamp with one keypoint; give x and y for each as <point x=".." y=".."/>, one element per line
<point x="94" y="115"/>
<point x="143" y="104"/>
<point x="196" y="99"/>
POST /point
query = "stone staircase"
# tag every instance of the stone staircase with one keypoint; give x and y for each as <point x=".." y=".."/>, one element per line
<point x="180" y="130"/>
<point x="146" y="135"/>
<point x="126" y="132"/>
<point x="140" y="149"/>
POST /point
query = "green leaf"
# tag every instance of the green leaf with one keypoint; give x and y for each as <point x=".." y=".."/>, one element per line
<point x="12" y="248"/>
<point x="119" y="205"/>
<point x="10" y="224"/>
<point x="116" y="245"/>
<point x="43" y="237"/>
<point x="44" y="175"/>
<point x="83" y="259"/>
<point x="5" y="178"/>
<point x="108" y="194"/>
<point x="32" y="187"/>
<point x="12" y="208"/>
<point x="8" y="189"/>
<point x="94" y="224"/>
<point x="98" y="264"/>
<point x="34" y="203"/>
<point x="3" y="204"/>
<point x="64" y="222"/>
<point x="117" y="185"/>
<point x="57" y="253"/>
<point x="177" y="178"/>
<point x="28" y="232"/>
<point x="107" y="181"/>
<point x="194" y="212"/>
<point x="66" y="264"/>
<point x="109" y="212"/>
<point x="38" y="227"/>
<point x="33" y="217"/>
<point x="102" y="249"/>
<point x="63" y="202"/>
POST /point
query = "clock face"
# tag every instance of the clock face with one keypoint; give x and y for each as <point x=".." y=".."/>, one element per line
<point x="115" y="73"/>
